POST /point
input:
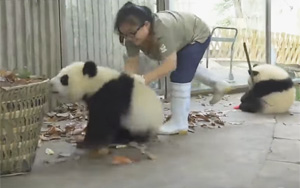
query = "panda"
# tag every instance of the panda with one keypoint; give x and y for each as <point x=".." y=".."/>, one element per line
<point x="272" y="90"/>
<point x="121" y="108"/>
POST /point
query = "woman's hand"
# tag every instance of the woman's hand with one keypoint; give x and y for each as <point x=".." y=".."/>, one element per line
<point x="139" y="78"/>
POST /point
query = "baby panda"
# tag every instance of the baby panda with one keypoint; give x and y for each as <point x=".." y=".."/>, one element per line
<point x="272" y="90"/>
<point x="121" y="108"/>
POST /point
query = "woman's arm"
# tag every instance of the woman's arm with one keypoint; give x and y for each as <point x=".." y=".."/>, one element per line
<point x="167" y="66"/>
<point x="132" y="65"/>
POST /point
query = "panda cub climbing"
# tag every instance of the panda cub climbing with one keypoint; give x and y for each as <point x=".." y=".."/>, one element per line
<point x="121" y="108"/>
<point x="272" y="90"/>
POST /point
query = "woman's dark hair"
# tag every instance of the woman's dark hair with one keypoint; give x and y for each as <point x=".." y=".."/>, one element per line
<point x="133" y="14"/>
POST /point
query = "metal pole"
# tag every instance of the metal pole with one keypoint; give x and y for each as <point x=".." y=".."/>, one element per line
<point x="162" y="5"/>
<point x="268" y="31"/>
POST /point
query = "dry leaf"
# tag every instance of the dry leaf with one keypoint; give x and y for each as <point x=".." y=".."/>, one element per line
<point x="53" y="131"/>
<point x="54" y="137"/>
<point x="21" y="82"/>
<point x="218" y="121"/>
<point x="78" y="131"/>
<point x="117" y="146"/>
<point x="51" y="114"/>
<point x="202" y="117"/>
<point x="43" y="138"/>
<point x="49" y="151"/>
<point x="10" y="76"/>
<point x="69" y="128"/>
<point x="63" y="115"/>
<point x="203" y="125"/>
<point x="2" y="73"/>
<point x="121" y="160"/>
<point x="52" y="119"/>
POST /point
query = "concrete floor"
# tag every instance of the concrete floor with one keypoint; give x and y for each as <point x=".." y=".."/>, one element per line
<point x="250" y="151"/>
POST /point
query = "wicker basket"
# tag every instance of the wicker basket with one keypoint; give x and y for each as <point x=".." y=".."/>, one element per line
<point x="21" y="118"/>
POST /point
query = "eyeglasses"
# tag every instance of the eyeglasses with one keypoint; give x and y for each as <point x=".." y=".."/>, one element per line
<point x="131" y="34"/>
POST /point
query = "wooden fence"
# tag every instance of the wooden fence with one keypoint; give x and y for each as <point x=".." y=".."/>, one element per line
<point x="287" y="46"/>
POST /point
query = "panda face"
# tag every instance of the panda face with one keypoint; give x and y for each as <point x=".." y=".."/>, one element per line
<point x="64" y="80"/>
<point x="267" y="72"/>
<point x="74" y="81"/>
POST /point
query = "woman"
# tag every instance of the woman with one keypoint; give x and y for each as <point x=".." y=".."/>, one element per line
<point x="177" y="39"/>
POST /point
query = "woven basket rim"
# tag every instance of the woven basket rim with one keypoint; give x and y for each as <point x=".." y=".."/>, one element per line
<point x="25" y="85"/>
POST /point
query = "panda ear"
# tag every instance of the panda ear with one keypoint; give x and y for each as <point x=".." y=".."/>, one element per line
<point x="255" y="73"/>
<point x="89" y="68"/>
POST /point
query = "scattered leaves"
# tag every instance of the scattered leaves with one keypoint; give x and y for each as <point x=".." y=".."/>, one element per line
<point x="75" y="115"/>
<point x="197" y="118"/>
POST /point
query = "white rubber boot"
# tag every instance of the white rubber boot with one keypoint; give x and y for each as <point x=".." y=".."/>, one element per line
<point x="180" y="108"/>
<point x="220" y="87"/>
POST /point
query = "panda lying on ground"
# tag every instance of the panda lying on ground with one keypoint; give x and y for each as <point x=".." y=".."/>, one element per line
<point x="273" y="91"/>
<point x="121" y="108"/>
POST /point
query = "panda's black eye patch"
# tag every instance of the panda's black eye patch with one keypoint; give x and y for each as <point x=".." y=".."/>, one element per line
<point x="64" y="80"/>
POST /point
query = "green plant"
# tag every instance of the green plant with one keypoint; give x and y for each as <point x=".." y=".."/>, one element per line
<point x="23" y="73"/>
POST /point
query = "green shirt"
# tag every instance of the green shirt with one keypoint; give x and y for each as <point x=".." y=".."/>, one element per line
<point x="173" y="30"/>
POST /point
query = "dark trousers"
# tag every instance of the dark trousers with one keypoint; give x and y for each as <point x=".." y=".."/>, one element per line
<point x="188" y="59"/>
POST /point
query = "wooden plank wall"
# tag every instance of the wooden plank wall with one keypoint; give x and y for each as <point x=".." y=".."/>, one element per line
<point x="30" y="36"/>
<point x="90" y="34"/>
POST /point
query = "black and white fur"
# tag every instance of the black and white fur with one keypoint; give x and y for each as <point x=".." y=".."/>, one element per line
<point x="271" y="92"/>
<point x="121" y="109"/>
